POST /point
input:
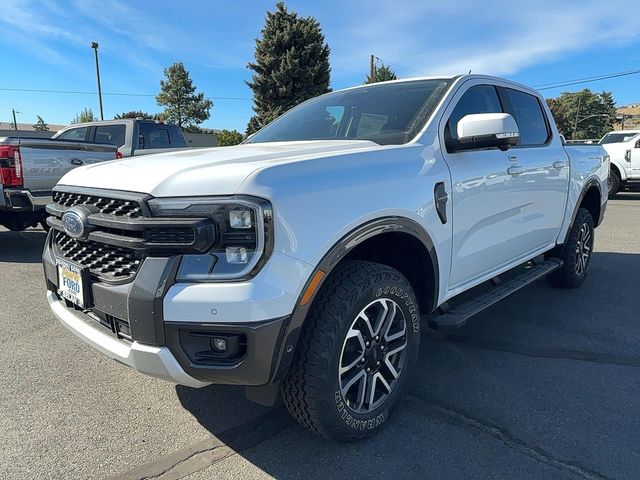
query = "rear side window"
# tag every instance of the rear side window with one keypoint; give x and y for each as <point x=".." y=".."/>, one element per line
<point x="76" y="134"/>
<point x="111" y="134"/>
<point x="526" y="109"/>
<point x="478" y="99"/>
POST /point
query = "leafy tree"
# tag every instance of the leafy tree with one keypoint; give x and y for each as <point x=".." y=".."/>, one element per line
<point x="40" y="126"/>
<point x="381" y="74"/>
<point x="595" y="113"/>
<point x="84" y="116"/>
<point x="229" y="137"/>
<point x="291" y="65"/>
<point x="136" y="114"/>
<point x="177" y="94"/>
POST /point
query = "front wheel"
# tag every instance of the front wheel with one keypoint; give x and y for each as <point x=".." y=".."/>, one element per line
<point x="356" y="354"/>
<point x="614" y="182"/>
<point x="576" y="253"/>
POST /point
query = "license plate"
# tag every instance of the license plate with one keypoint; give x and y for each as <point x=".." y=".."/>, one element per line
<point x="70" y="283"/>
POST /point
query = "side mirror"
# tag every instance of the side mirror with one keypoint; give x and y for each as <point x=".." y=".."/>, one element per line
<point x="638" y="144"/>
<point x="485" y="130"/>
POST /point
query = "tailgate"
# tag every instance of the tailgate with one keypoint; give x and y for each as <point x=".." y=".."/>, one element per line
<point x="44" y="162"/>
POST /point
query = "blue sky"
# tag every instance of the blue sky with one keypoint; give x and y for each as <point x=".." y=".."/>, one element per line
<point x="45" y="46"/>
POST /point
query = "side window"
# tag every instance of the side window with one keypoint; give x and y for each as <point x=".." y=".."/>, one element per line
<point x="76" y="134"/>
<point x="531" y="120"/>
<point x="176" y="138"/>
<point x="112" y="134"/>
<point x="478" y="99"/>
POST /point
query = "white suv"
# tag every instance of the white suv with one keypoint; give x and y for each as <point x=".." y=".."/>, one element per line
<point x="304" y="259"/>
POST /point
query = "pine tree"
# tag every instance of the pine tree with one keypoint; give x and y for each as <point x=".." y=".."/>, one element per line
<point x="291" y="65"/>
<point x="381" y="74"/>
<point x="84" y="116"/>
<point x="40" y="126"/>
<point x="595" y="113"/>
<point x="177" y="94"/>
<point x="135" y="114"/>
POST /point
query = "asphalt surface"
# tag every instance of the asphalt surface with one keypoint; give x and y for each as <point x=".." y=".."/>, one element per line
<point x="545" y="384"/>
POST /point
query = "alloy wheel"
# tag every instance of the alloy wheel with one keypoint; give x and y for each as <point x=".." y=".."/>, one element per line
<point x="583" y="248"/>
<point x="373" y="355"/>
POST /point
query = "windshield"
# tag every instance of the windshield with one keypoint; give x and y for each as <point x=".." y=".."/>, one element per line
<point x="620" y="137"/>
<point x="387" y="114"/>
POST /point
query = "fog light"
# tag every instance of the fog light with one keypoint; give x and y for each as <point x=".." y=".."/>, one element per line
<point x="220" y="344"/>
<point x="237" y="255"/>
<point x="240" y="219"/>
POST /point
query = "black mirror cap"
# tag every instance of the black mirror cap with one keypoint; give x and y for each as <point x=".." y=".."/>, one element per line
<point x="504" y="143"/>
<point x="638" y="144"/>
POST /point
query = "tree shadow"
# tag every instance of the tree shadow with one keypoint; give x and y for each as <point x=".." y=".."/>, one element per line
<point x="22" y="247"/>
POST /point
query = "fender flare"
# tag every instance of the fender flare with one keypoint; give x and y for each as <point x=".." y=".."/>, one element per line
<point x="587" y="186"/>
<point x="286" y="347"/>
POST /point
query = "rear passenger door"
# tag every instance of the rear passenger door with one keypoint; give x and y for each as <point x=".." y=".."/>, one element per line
<point x="545" y="164"/>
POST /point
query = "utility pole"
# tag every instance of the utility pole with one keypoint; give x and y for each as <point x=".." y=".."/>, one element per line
<point x="94" y="45"/>
<point x="372" y="69"/>
<point x="15" y="124"/>
<point x="575" y="125"/>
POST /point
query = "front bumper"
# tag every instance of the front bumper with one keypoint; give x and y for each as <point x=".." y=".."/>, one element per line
<point x="164" y="316"/>
<point x="150" y="359"/>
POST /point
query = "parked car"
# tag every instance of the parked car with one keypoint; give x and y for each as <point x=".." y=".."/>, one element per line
<point x="304" y="259"/>
<point x="30" y="167"/>
<point x="132" y="136"/>
<point x="624" y="149"/>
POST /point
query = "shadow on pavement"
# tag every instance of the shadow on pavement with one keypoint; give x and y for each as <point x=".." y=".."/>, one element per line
<point x="542" y="385"/>
<point x="22" y="247"/>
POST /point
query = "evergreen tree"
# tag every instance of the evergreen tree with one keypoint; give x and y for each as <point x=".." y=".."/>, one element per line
<point x="84" y="116"/>
<point x="177" y="94"/>
<point x="381" y="74"/>
<point x="135" y="114"/>
<point x="40" y="126"/>
<point x="229" y="137"/>
<point x="291" y="65"/>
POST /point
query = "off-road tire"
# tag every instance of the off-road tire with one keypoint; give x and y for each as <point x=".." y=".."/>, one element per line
<point x="572" y="274"/>
<point x="312" y="387"/>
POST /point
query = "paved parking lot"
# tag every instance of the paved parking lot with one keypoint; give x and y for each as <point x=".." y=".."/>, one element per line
<point x="543" y="385"/>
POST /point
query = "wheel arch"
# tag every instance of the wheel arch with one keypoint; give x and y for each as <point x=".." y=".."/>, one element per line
<point x="591" y="199"/>
<point x="366" y="243"/>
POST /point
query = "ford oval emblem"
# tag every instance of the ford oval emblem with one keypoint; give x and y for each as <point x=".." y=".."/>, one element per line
<point x="73" y="224"/>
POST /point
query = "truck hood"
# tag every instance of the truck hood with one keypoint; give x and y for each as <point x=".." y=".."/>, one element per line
<point x="207" y="171"/>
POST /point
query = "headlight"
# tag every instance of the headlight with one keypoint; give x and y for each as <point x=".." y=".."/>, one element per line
<point x="243" y="235"/>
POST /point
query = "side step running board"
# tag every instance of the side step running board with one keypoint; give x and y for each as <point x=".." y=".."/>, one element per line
<point x="458" y="315"/>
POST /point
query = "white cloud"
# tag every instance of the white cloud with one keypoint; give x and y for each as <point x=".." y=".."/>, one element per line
<point x="493" y="37"/>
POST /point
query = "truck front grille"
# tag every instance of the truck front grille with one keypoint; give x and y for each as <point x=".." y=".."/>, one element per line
<point x="109" y="262"/>
<point x="107" y="206"/>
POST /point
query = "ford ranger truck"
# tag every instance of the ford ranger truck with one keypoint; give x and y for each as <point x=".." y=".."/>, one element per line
<point x="303" y="260"/>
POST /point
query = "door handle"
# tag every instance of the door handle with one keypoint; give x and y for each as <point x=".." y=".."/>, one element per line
<point x="559" y="164"/>
<point x="76" y="161"/>
<point x="515" y="170"/>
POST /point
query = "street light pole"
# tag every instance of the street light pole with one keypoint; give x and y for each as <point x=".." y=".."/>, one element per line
<point x="94" y="45"/>
<point x="15" y="124"/>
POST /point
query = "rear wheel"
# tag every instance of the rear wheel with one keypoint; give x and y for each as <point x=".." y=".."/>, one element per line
<point x="356" y="354"/>
<point x="576" y="253"/>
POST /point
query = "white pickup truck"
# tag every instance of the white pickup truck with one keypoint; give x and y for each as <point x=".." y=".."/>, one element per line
<point x="623" y="148"/>
<point x="303" y="260"/>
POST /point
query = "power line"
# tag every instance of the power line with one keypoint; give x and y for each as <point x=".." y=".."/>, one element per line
<point x="566" y="83"/>
<point x="122" y="94"/>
